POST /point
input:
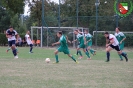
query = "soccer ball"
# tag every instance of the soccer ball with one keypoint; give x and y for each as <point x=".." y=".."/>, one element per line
<point x="47" y="60"/>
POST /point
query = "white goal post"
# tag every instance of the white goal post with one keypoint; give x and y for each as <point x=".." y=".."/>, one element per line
<point x="47" y="28"/>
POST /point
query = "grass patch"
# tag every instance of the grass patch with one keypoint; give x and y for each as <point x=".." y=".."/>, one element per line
<point x="31" y="70"/>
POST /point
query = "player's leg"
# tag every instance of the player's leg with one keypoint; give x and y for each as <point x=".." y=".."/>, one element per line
<point x="122" y="53"/>
<point x="72" y="58"/>
<point x="14" y="49"/>
<point x="31" y="47"/>
<point x="90" y="49"/>
<point x="8" y="49"/>
<point x="87" y="53"/>
<point x="108" y="49"/>
<point x="56" y="56"/>
<point x="81" y="56"/>
<point x="121" y="48"/>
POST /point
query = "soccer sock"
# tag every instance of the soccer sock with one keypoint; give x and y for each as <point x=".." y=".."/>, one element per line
<point x="120" y="56"/>
<point x="124" y="55"/>
<point x="86" y="49"/>
<point x="92" y="51"/>
<point x="73" y="58"/>
<point x="77" y="52"/>
<point x="16" y="49"/>
<point x="31" y="49"/>
<point x="8" y="49"/>
<point x="108" y="56"/>
<point x="14" y="52"/>
<point x="56" y="57"/>
<point x="87" y="53"/>
<point x="80" y="52"/>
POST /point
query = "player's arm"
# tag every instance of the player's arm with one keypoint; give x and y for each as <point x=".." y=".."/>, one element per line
<point x="124" y="38"/>
<point x="56" y="43"/>
<point x="85" y="40"/>
<point x="110" y="43"/>
<point x="74" y="40"/>
<point x="16" y="37"/>
<point x="68" y="40"/>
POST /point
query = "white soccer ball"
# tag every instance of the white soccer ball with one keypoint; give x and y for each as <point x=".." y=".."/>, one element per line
<point x="47" y="60"/>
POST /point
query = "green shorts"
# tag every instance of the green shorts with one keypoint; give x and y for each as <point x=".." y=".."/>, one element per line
<point x="65" y="50"/>
<point x="121" y="46"/>
<point x="89" y="43"/>
<point x="82" y="46"/>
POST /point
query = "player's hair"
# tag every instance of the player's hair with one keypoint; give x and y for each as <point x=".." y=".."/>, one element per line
<point x="60" y="32"/>
<point x="86" y="30"/>
<point x="76" y="30"/>
<point x="106" y="32"/>
<point x="10" y="27"/>
<point x="118" y="28"/>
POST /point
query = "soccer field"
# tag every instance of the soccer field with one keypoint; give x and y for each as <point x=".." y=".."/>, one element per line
<point x="31" y="70"/>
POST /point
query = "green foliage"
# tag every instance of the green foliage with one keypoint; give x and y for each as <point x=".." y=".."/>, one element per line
<point x="14" y="6"/>
<point x="4" y="19"/>
<point x="18" y="25"/>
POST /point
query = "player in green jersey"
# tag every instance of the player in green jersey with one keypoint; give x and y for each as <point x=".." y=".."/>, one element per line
<point x="121" y="38"/>
<point x="88" y="38"/>
<point x="82" y="41"/>
<point x="63" y="47"/>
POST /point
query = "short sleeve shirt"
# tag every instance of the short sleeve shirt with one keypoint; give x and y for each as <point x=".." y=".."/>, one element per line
<point x="111" y="36"/>
<point x="28" y="39"/>
<point x="11" y="35"/>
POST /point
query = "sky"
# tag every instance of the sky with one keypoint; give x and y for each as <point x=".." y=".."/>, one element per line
<point x="27" y="8"/>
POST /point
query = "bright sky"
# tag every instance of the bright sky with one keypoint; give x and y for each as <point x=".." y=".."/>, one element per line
<point x="27" y="8"/>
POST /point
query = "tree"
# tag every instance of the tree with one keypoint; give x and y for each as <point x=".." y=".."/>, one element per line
<point x="14" y="6"/>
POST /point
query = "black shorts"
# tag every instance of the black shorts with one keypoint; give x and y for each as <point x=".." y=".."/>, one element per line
<point x="12" y="42"/>
<point x="117" y="48"/>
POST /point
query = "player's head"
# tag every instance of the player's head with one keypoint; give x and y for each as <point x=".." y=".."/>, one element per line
<point x="59" y="33"/>
<point x="11" y="28"/>
<point x="79" y="30"/>
<point x="76" y="32"/>
<point x="28" y="32"/>
<point x="86" y="31"/>
<point x="106" y="34"/>
<point x="117" y="29"/>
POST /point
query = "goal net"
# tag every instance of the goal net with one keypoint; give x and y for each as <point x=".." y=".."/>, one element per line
<point x="47" y="35"/>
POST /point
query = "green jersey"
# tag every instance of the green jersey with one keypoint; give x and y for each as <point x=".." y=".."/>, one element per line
<point x="88" y="37"/>
<point x="120" y="36"/>
<point x="80" y="38"/>
<point x="63" y="41"/>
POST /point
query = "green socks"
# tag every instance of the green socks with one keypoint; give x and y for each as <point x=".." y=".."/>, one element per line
<point x="120" y="56"/>
<point x="56" y="56"/>
<point x="73" y="58"/>
<point x="87" y="54"/>
<point x="92" y="51"/>
<point x="80" y="52"/>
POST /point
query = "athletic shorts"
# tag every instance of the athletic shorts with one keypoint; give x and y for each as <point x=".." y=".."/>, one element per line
<point x="89" y="43"/>
<point x="11" y="43"/>
<point x="82" y="46"/>
<point x="31" y="45"/>
<point x="121" y="46"/>
<point x="117" y="48"/>
<point x="65" y="50"/>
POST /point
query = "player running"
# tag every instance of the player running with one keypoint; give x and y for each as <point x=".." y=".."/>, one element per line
<point x="63" y="47"/>
<point x="11" y="34"/>
<point x="88" y="39"/>
<point x="113" y="44"/>
<point x="80" y="38"/>
<point x="28" y="40"/>
<point x="121" y="38"/>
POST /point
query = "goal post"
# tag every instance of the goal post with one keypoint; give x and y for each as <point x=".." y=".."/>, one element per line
<point x="48" y="35"/>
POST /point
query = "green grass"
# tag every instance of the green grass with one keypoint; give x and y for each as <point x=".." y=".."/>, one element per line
<point x="31" y="70"/>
